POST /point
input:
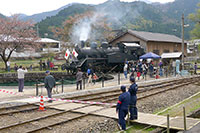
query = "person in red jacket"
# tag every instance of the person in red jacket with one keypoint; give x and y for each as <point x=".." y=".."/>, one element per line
<point x="122" y="107"/>
<point x="51" y="65"/>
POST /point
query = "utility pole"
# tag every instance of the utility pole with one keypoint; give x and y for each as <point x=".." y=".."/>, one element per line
<point x="182" y="42"/>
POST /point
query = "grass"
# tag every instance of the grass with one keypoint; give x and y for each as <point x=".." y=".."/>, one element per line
<point x="195" y="108"/>
<point x="139" y="127"/>
<point x="26" y="63"/>
<point x="34" y="71"/>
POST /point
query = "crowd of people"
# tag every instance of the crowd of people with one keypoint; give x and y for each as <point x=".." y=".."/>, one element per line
<point x="141" y="68"/>
<point x="90" y="75"/>
<point x="44" y="65"/>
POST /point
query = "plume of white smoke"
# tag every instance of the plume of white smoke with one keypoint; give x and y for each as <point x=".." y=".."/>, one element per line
<point x="82" y="29"/>
<point x="85" y="31"/>
<point x="115" y="13"/>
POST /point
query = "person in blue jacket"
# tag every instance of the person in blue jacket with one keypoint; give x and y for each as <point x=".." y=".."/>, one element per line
<point x="122" y="107"/>
<point x="133" y="99"/>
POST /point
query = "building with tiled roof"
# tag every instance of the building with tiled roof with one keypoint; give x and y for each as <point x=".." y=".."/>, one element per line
<point x="152" y="42"/>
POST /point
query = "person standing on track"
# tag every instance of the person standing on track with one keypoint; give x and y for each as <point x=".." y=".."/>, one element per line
<point x="122" y="107"/>
<point x="49" y="83"/>
<point x="133" y="99"/>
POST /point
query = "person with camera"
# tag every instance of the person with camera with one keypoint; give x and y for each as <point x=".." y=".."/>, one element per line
<point x="20" y="73"/>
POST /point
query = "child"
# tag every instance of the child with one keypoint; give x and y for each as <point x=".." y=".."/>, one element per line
<point x="138" y="75"/>
<point x="94" y="78"/>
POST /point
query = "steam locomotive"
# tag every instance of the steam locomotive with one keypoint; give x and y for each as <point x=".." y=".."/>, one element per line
<point x="105" y="58"/>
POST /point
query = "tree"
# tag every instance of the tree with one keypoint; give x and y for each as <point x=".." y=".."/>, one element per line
<point x="195" y="17"/>
<point x="15" y="34"/>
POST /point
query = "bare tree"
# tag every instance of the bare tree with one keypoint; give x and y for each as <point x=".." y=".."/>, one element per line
<point x="15" y="34"/>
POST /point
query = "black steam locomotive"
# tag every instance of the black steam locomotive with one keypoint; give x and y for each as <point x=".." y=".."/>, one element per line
<point x="105" y="58"/>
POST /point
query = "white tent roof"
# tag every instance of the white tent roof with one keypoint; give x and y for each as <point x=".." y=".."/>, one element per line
<point x="171" y="55"/>
<point x="131" y="44"/>
<point x="48" y="40"/>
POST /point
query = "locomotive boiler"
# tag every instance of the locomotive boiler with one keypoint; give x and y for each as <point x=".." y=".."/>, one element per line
<point x="105" y="57"/>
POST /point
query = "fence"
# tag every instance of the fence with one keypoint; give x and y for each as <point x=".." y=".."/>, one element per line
<point x="118" y="79"/>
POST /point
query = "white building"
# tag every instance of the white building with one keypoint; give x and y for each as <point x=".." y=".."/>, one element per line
<point x="193" y="45"/>
<point x="49" y="45"/>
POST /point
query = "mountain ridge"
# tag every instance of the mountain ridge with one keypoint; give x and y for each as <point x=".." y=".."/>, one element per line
<point x="37" y="17"/>
<point x="40" y="16"/>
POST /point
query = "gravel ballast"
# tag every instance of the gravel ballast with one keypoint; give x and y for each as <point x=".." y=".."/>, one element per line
<point x="167" y="99"/>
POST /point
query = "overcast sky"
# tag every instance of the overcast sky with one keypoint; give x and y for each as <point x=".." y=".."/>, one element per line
<point x="29" y="7"/>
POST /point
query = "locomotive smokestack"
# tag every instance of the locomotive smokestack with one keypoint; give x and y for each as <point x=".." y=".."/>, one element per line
<point x="93" y="45"/>
<point x="104" y="45"/>
<point x="82" y="44"/>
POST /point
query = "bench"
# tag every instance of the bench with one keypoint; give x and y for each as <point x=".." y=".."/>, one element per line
<point x="42" y="85"/>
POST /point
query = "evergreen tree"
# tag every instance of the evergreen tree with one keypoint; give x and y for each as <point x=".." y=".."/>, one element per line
<point x="195" y="17"/>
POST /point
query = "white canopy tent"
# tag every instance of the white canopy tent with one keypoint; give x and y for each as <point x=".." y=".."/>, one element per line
<point x="171" y="55"/>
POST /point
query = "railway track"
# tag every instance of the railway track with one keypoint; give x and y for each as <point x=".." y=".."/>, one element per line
<point x="153" y="91"/>
<point x="47" y="121"/>
<point x="117" y="92"/>
<point x="17" y="109"/>
<point x="58" y="116"/>
<point x="144" y="91"/>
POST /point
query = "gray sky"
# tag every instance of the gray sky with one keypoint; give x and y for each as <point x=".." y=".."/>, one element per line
<point x="29" y="7"/>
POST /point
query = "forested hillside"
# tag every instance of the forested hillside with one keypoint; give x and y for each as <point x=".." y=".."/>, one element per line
<point x="57" y="20"/>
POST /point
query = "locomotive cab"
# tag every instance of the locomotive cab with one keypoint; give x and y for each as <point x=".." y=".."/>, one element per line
<point x="127" y="51"/>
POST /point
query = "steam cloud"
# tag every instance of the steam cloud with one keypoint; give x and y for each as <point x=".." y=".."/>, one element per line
<point x="115" y="13"/>
<point x="85" y="31"/>
<point x="82" y="30"/>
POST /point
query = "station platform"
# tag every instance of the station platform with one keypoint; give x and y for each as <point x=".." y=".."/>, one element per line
<point x="176" y="123"/>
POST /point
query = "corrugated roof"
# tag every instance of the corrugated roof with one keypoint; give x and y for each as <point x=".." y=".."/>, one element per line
<point x="157" y="37"/>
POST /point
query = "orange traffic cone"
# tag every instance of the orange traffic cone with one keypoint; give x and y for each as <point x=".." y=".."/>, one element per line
<point x="41" y="108"/>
